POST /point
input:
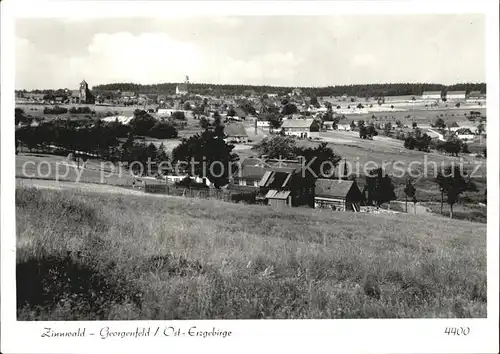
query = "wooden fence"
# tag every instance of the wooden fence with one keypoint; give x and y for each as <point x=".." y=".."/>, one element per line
<point x="188" y="192"/>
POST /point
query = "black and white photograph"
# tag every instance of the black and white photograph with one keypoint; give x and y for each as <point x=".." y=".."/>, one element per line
<point x="267" y="166"/>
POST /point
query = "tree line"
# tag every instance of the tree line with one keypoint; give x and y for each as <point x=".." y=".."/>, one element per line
<point x="92" y="137"/>
<point x="367" y="90"/>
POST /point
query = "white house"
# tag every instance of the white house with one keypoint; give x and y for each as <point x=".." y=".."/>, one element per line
<point x="165" y="111"/>
<point x="263" y="124"/>
<point x="344" y="126"/>
<point x="171" y="179"/>
<point x="431" y="95"/>
<point x="465" y="134"/>
<point x="181" y="89"/>
<point x="456" y="95"/>
<point x="328" y="125"/>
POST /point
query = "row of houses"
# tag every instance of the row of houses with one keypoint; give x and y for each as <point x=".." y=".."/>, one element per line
<point x="287" y="183"/>
<point x="453" y="95"/>
<point x="303" y="128"/>
<point x="282" y="183"/>
<point x="300" y="128"/>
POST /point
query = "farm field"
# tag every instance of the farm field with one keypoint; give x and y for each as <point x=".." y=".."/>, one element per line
<point x="145" y="257"/>
<point x="423" y="117"/>
<point x="52" y="167"/>
<point x="37" y="109"/>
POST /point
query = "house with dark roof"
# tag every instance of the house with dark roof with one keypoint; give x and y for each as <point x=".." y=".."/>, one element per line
<point x="161" y="99"/>
<point x="336" y="194"/>
<point x="240" y="113"/>
<point x="279" y="183"/>
<point x="235" y="132"/>
<point x="286" y="183"/>
<point x="249" y="93"/>
<point x="474" y="95"/>
<point x="453" y="126"/>
<point x="250" y="172"/>
<point x="75" y="96"/>
<point x="258" y="106"/>
<point x="302" y="128"/>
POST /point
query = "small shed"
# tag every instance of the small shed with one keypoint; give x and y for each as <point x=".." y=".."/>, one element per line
<point x="286" y="186"/>
<point x="335" y="194"/>
<point x="279" y="199"/>
<point x="277" y="186"/>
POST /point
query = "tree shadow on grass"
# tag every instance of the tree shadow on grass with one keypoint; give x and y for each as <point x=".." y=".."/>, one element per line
<point x="77" y="285"/>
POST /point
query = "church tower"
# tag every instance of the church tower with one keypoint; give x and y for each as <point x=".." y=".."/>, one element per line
<point x="84" y="87"/>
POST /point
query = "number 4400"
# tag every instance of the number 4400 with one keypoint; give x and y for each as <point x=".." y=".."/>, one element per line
<point x="457" y="331"/>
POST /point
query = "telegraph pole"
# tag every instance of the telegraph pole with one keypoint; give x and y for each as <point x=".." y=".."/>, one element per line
<point x="442" y="192"/>
<point x="406" y="197"/>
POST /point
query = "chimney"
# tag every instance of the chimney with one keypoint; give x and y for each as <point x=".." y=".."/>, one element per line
<point x="255" y="126"/>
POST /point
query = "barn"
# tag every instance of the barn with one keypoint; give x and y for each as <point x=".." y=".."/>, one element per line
<point x="303" y="128"/>
<point x="286" y="185"/>
<point x="343" y="195"/>
<point x="431" y="95"/>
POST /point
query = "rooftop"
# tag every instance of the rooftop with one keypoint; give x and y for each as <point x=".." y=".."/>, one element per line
<point x="297" y="123"/>
<point x="332" y="187"/>
<point x="235" y="129"/>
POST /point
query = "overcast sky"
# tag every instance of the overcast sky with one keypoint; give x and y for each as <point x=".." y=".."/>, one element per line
<point x="287" y="51"/>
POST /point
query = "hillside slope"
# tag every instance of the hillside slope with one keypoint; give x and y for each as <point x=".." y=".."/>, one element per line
<point x="141" y="257"/>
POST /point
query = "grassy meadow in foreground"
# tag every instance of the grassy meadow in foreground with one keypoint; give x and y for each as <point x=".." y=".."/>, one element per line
<point x="97" y="256"/>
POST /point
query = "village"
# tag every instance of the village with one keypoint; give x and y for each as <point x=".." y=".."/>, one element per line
<point x="451" y="122"/>
<point x="250" y="167"/>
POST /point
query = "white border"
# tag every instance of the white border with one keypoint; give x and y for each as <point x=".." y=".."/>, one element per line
<point x="345" y="336"/>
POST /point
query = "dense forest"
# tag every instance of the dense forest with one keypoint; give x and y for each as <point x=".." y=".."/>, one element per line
<point x="371" y="90"/>
<point x="368" y="90"/>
